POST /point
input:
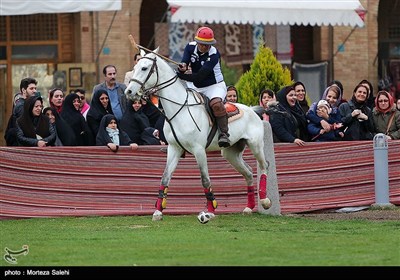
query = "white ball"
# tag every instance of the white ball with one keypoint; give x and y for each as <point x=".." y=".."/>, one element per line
<point x="203" y="217"/>
<point x="266" y="203"/>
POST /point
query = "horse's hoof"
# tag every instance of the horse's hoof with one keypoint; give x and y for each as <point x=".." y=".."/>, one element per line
<point x="247" y="211"/>
<point x="157" y="215"/>
<point x="266" y="203"/>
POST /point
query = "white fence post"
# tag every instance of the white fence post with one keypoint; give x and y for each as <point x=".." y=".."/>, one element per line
<point x="272" y="179"/>
<point x="381" y="171"/>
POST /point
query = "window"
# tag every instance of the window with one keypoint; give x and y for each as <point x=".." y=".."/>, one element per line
<point x="34" y="52"/>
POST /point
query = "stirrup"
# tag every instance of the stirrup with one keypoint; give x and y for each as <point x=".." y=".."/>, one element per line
<point x="223" y="141"/>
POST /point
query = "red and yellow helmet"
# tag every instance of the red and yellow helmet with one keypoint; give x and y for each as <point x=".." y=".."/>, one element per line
<point x="205" y="35"/>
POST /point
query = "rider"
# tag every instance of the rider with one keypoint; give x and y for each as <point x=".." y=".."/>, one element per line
<point x="204" y="61"/>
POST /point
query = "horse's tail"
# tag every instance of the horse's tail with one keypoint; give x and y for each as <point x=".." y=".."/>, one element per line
<point x="259" y="110"/>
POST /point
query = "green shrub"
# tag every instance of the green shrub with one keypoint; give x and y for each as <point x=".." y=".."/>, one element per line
<point x="265" y="72"/>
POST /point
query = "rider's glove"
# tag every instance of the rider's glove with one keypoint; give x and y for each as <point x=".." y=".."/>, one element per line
<point x="182" y="67"/>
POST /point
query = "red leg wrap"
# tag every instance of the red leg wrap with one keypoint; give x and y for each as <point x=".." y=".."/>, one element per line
<point x="211" y="202"/>
<point x="161" y="202"/>
<point x="263" y="186"/>
<point x="250" y="198"/>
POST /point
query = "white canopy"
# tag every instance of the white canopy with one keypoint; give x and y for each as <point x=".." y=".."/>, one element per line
<point x="285" y="12"/>
<point x="28" y="7"/>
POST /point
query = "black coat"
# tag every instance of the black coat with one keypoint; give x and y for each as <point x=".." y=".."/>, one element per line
<point x="30" y="128"/>
<point x="83" y="136"/>
<point x="134" y="123"/>
<point x="103" y="138"/>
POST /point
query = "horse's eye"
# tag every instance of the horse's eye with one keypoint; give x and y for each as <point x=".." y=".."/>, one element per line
<point x="144" y="68"/>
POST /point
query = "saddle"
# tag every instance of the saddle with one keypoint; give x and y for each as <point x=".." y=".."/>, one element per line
<point x="232" y="111"/>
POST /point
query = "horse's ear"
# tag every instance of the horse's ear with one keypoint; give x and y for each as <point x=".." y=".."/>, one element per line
<point x="142" y="53"/>
<point x="156" y="50"/>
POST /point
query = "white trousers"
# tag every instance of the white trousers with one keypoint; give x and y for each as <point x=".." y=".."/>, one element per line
<point x="216" y="90"/>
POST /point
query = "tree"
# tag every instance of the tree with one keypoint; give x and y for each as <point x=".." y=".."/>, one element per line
<point x="265" y="72"/>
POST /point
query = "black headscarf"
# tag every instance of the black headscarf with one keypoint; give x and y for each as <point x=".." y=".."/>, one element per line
<point x="103" y="138"/>
<point x="134" y="122"/>
<point x="148" y="137"/>
<point x="77" y="122"/>
<point x="64" y="130"/>
<point x="297" y="112"/>
<point x="30" y="124"/>
<point x="97" y="111"/>
<point x="303" y="103"/>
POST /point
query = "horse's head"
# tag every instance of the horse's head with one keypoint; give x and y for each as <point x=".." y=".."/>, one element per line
<point x="145" y="76"/>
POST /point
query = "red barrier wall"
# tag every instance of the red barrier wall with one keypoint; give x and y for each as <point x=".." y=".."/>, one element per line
<point x="85" y="181"/>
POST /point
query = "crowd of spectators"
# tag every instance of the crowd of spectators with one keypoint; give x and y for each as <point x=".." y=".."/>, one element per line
<point x="71" y="121"/>
<point x="333" y="118"/>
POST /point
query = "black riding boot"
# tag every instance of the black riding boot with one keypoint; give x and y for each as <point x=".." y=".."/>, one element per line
<point x="223" y="139"/>
<point x="221" y="118"/>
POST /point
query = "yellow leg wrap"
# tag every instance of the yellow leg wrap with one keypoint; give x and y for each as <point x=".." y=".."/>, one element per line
<point x="164" y="198"/>
<point x="215" y="204"/>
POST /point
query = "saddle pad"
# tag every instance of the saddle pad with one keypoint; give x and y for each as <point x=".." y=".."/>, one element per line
<point x="233" y="111"/>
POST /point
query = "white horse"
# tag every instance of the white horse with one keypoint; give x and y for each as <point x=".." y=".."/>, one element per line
<point x="187" y="128"/>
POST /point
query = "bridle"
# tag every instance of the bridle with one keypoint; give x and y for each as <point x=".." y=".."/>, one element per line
<point x="159" y="86"/>
<point x="156" y="86"/>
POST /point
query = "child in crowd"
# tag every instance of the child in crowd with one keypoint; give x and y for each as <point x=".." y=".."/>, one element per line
<point x="333" y="95"/>
<point x="317" y="131"/>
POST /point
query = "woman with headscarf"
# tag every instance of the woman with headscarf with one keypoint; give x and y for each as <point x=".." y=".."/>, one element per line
<point x="111" y="136"/>
<point x="333" y="95"/>
<point x="287" y="118"/>
<point x="316" y="129"/>
<point x="371" y="98"/>
<point x="99" y="107"/>
<point x="385" y="116"/>
<point x="71" y="114"/>
<point x="64" y="133"/>
<point x="151" y="136"/>
<point x="33" y="128"/>
<point x="134" y="121"/>
<point x="301" y="93"/>
<point x="357" y="116"/>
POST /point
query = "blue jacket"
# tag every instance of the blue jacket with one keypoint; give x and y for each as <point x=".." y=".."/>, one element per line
<point x="206" y="68"/>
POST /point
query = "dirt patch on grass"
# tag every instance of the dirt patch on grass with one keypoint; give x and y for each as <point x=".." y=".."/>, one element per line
<point x="368" y="214"/>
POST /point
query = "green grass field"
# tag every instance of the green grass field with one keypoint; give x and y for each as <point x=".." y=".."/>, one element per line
<point x="228" y="240"/>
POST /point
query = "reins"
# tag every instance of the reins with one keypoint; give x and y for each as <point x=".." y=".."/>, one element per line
<point x="159" y="86"/>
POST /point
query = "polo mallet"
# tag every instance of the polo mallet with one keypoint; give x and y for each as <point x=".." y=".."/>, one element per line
<point x="138" y="47"/>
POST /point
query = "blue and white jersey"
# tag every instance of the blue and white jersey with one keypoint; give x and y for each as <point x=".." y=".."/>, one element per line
<point x="209" y="61"/>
